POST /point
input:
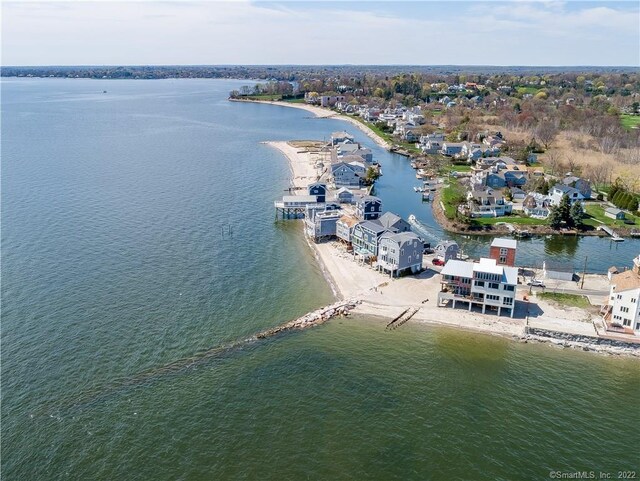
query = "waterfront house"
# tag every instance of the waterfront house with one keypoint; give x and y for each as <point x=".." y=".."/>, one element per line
<point x="294" y="205"/>
<point x="536" y="205"/>
<point x="431" y="147"/>
<point x="321" y="225"/>
<point x="559" y="190"/>
<point x="365" y="238"/>
<point x="365" y="154"/>
<point x="503" y="251"/>
<point x="344" y="196"/>
<point x="394" y="222"/>
<point x="344" y="227"/>
<point x="400" y="252"/>
<point x="319" y="189"/>
<point x="331" y="100"/>
<point x="482" y="284"/>
<point x="345" y="149"/>
<point x="341" y="137"/>
<point x="614" y="213"/>
<point x="347" y="174"/>
<point x="368" y="207"/>
<point x="581" y="185"/>
<point x="558" y="270"/>
<point x="447" y="250"/>
<point x="487" y="203"/>
<point x="624" y="299"/>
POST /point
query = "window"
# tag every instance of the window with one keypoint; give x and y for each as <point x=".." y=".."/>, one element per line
<point x="627" y="322"/>
<point x="637" y="326"/>
<point x="491" y="297"/>
<point x="624" y="309"/>
<point x="619" y="296"/>
<point x="494" y="286"/>
<point x="503" y="251"/>
<point x="509" y="288"/>
<point x="502" y="260"/>
<point x="633" y="301"/>
<point x="507" y="301"/>
<point x="479" y="283"/>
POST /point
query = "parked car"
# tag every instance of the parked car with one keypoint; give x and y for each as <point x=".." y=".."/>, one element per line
<point x="535" y="283"/>
<point x="438" y="262"/>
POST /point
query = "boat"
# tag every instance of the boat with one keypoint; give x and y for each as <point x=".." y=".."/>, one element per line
<point x="421" y="230"/>
<point x="426" y="196"/>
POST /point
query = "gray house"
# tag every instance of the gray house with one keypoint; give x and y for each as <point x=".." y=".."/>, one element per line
<point x="368" y="207"/>
<point x="447" y="250"/>
<point x="365" y="238"/>
<point x="614" y="213"/>
<point x="340" y="137"/>
<point x="394" y="222"/>
<point x="558" y="270"/>
<point x="347" y="174"/>
<point x="581" y="185"/>
<point x="345" y="196"/>
<point x="322" y="225"/>
<point x="400" y="253"/>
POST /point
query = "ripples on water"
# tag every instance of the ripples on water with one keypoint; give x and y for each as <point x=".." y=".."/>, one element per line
<point x="114" y="266"/>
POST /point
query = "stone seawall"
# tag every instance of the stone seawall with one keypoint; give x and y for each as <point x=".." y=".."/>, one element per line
<point x="586" y="343"/>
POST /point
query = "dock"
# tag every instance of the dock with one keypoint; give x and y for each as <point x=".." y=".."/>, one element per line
<point x="614" y="235"/>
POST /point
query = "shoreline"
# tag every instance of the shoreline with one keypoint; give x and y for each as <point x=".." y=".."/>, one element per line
<point x="380" y="296"/>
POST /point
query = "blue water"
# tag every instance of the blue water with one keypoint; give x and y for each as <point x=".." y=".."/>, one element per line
<point x="138" y="231"/>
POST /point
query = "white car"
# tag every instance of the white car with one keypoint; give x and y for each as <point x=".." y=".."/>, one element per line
<point x="535" y="283"/>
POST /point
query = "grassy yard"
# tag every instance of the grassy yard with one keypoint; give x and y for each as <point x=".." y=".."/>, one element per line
<point x="460" y="167"/>
<point x="451" y="198"/>
<point x="571" y="300"/>
<point x="509" y="219"/>
<point x="385" y="135"/>
<point x="630" y="121"/>
<point x="295" y="101"/>
<point x="595" y="217"/>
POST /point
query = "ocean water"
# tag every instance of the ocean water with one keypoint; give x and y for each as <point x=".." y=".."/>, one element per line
<point x="139" y="243"/>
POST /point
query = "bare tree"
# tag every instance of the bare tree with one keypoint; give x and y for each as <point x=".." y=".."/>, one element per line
<point x="545" y="132"/>
<point x="554" y="161"/>
<point x="599" y="174"/>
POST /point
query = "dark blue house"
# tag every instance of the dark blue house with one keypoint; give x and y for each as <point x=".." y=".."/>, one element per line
<point x="368" y="207"/>
<point x="319" y="190"/>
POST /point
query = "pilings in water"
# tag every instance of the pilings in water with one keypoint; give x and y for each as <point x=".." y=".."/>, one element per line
<point x="404" y="316"/>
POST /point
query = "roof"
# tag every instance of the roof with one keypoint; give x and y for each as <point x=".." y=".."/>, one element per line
<point x="507" y="243"/>
<point x="401" y="238"/>
<point x="343" y="190"/>
<point x="369" y="198"/>
<point x="558" y="266"/>
<point x="613" y="270"/>
<point x="299" y="198"/>
<point x="446" y="244"/>
<point x="625" y="281"/>
<point x="565" y="189"/>
<point x="457" y="268"/>
<point x="487" y="265"/>
<point x="612" y="210"/>
<point x="341" y="133"/>
<point x="350" y="220"/>
<point x="373" y="226"/>
<point x="389" y="219"/>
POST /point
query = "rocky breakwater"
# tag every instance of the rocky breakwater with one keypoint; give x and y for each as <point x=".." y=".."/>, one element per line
<point x="314" y="318"/>
<point x="586" y="343"/>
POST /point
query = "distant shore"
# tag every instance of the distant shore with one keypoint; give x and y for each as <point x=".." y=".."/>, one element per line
<point x="386" y="298"/>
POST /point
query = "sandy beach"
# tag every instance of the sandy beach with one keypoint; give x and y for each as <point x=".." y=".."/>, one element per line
<point x="324" y="113"/>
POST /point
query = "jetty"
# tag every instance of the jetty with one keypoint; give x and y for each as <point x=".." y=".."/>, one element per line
<point x="398" y="321"/>
<point x="614" y="235"/>
<point x="514" y="231"/>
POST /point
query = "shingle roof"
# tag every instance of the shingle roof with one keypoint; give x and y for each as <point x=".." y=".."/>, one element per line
<point x="625" y="281"/>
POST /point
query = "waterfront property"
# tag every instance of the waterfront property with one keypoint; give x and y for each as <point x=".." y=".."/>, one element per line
<point x="447" y="250"/>
<point x="345" y="196"/>
<point x="559" y="190"/>
<point x="623" y="307"/>
<point x="536" y="205"/>
<point x="400" y="252"/>
<point x="483" y="284"/>
<point x="293" y="206"/>
<point x="368" y="207"/>
<point x="322" y="224"/>
<point x="503" y="251"/>
<point x="366" y="235"/>
<point x="348" y="174"/>
<point x="558" y="270"/>
<point x="394" y="222"/>
<point x="344" y="228"/>
<point x="614" y="213"/>
<point x="486" y="203"/>
<point x="319" y="189"/>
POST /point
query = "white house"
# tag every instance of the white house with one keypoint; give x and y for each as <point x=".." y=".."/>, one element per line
<point x="624" y="299"/>
<point x="559" y="190"/>
<point x="484" y="284"/>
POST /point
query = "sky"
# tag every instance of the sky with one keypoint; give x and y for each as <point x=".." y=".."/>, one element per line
<point x="184" y="32"/>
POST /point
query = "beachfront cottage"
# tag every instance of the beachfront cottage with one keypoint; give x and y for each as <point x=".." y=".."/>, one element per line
<point x="623" y="308"/>
<point x="345" y="196"/>
<point x="447" y="250"/>
<point x="394" y="222"/>
<point x="322" y="225"/>
<point x="399" y="253"/>
<point x="482" y="284"/>
<point x="318" y="189"/>
<point x="341" y="137"/>
<point x="368" y="207"/>
<point x="365" y="238"/>
<point x="347" y="174"/>
<point x="344" y="228"/>
<point x="503" y="251"/>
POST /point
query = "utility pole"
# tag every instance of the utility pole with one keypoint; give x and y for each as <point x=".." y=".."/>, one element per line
<point x="584" y="272"/>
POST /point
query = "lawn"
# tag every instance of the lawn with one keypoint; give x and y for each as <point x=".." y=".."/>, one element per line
<point x="385" y="135"/>
<point x="460" y="168"/>
<point x="571" y="300"/>
<point x="509" y="219"/>
<point x="595" y="217"/>
<point x="261" y="97"/>
<point x="630" y="121"/>
<point x="452" y="196"/>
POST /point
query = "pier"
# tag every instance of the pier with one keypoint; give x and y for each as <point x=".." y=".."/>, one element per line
<point x="614" y="235"/>
<point x="293" y="206"/>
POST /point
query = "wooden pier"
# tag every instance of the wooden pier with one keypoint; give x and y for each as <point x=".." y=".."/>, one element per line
<point x="614" y="235"/>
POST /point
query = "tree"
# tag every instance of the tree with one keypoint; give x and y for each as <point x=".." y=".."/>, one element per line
<point x="555" y="220"/>
<point x="633" y="205"/>
<point x="576" y="213"/>
<point x="564" y="208"/>
<point x="546" y="131"/>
